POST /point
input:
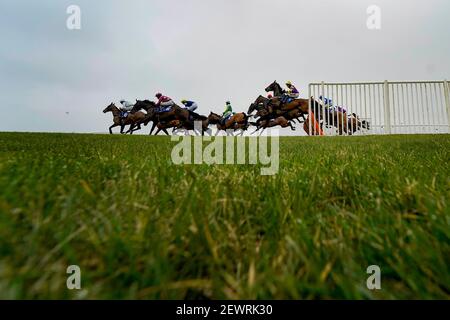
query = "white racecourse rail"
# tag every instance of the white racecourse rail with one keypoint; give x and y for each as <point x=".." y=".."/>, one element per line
<point x="391" y="107"/>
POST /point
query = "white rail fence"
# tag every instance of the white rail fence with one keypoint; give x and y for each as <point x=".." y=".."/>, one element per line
<point x="388" y="107"/>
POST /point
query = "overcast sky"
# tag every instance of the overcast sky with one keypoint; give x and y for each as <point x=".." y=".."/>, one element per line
<point x="55" y="79"/>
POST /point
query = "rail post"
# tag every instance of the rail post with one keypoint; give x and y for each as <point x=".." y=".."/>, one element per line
<point x="322" y="88"/>
<point x="387" y="109"/>
<point x="309" y="111"/>
<point x="447" y="101"/>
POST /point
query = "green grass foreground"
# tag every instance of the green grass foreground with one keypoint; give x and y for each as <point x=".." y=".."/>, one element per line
<point x="140" y="227"/>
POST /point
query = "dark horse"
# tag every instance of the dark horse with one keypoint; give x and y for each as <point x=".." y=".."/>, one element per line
<point x="177" y="118"/>
<point x="152" y="116"/>
<point x="276" y="89"/>
<point x="264" y="107"/>
<point x="300" y="104"/>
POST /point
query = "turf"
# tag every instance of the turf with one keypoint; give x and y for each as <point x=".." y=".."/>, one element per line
<point x="141" y="227"/>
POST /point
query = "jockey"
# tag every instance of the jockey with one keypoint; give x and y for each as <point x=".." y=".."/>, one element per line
<point x="228" y="110"/>
<point x="125" y="109"/>
<point x="292" y="90"/>
<point x="189" y="105"/>
<point x="328" y="102"/>
<point x="126" y="106"/>
<point x="227" y="113"/>
<point x="292" y="93"/>
<point x="163" y="101"/>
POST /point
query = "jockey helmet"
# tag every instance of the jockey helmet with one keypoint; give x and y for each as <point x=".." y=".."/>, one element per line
<point x="183" y="101"/>
<point x="289" y="83"/>
<point x="158" y="95"/>
<point x="122" y="101"/>
<point x="270" y="96"/>
<point x="228" y="102"/>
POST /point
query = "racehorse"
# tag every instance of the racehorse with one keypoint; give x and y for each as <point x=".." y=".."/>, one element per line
<point x="171" y="121"/>
<point x="301" y="104"/>
<point x="339" y="119"/>
<point x="161" y="122"/>
<point x="264" y="106"/>
<point x="269" y="123"/>
<point x="190" y="125"/>
<point x="275" y="87"/>
<point x="132" y="119"/>
<point x="238" y="121"/>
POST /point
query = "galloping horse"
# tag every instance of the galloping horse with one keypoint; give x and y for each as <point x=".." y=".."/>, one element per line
<point x="264" y="106"/>
<point x="339" y="119"/>
<point x="269" y="123"/>
<point x="163" y="122"/>
<point x="300" y="104"/>
<point x="190" y="125"/>
<point x="238" y="121"/>
<point x="132" y="119"/>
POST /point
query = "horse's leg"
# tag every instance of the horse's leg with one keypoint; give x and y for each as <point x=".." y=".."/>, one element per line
<point x="130" y="131"/>
<point x="138" y="127"/>
<point x="165" y="131"/>
<point x="153" y="128"/>
<point x="292" y="127"/>
<point x="262" y="131"/>
<point x="110" y="128"/>
<point x="257" y="129"/>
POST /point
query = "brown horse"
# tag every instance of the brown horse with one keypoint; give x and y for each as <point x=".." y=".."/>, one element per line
<point x="300" y="104"/>
<point x="132" y="119"/>
<point x="238" y="121"/>
<point x="176" y="112"/>
<point x="270" y="123"/>
<point x="175" y="119"/>
<point x="265" y="107"/>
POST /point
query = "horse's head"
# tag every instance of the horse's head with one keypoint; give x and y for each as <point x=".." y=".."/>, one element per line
<point x="214" y="118"/>
<point x="109" y="108"/>
<point x="275" y="88"/>
<point x="251" y="108"/>
<point x="143" y="104"/>
<point x="139" y="104"/>
<point x="271" y="86"/>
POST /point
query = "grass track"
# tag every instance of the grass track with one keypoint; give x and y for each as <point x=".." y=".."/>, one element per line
<point x="141" y="227"/>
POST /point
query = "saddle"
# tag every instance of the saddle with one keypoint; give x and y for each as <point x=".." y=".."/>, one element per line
<point x="163" y="109"/>
<point x="285" y="99"/>
<point x="124" y="114"/>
